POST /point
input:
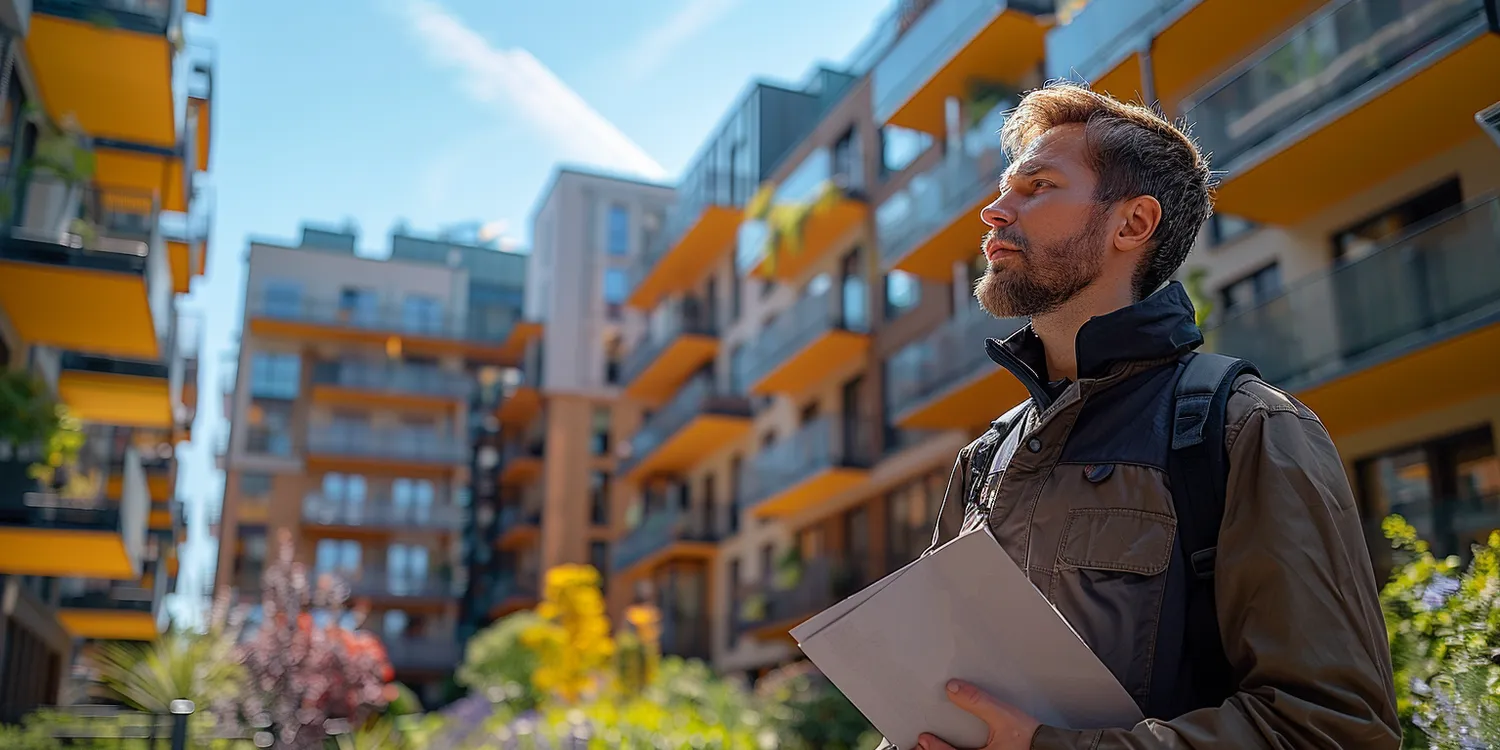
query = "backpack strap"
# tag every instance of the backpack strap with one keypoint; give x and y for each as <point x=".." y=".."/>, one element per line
<point x="1198" y="468"/>
<point x="978" y="454"/>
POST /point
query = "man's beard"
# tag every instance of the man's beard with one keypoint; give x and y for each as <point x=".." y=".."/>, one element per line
<point x="1042" y="281"/>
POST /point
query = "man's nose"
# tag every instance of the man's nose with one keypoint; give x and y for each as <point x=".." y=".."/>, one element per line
<point x="998" y="213"/>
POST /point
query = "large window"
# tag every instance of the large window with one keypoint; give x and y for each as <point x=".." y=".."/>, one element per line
<point x="274" y="375"/>
<point x="282" y="298"/>
<point x="1252" y="291"/>
<point x="599" y="437"/>
<point x="903" y="291"/>
<point x="900" y="147"/>
<point x="614" y="286"/>
<point x="617" y="242"/>
<point x="270" y="430"/>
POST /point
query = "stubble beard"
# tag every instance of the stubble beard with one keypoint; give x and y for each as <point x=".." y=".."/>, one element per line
<point x="1041" y="280"/>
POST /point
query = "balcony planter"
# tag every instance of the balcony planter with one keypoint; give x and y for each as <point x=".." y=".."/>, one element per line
<point x="784" y="223"/>
<point x="63" y="162"/>
<point x="35" y="430"/>
<point x="788" y="570"/>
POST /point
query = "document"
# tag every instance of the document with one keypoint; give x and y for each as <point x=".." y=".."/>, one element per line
<point x="964" y="612"/>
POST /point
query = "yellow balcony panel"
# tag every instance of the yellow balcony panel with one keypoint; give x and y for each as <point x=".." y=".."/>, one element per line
<point x="823" y="232"/>
<point x="116" y="82"/>
<point x="108" y="625"/>
<point x="1123" y="81"/>
<point x="946" y="380"/>
<point x="127" y="394"/>
<point x="1211" y="36"/>
<point x="820" y="334"/>
<point x="181" y="256"/>
<point x="197" y="7"/>
<point x="655" y="369"/>
<point x="698" y="422"/>
<point x="65" y="552"/>
<point x="513" y="348"/>
<point x="951" y="46"/>
<point x="202" y="112"/>
<point x="520" y="406"/>
<point x="1322" y="159"/>
<point x="823" y="459"/>
<point x="160" y="519"/>
<point x="663" y="536"/>
<point x="686" y="260"/>
<point x="518" y="530"/>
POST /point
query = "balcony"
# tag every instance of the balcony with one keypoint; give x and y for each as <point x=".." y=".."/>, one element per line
<point x="379" y="584"/>
<point x="946" y="380"/>
<point x="108" y="63"/>
<point x="377" y="447"/>
<point x="933" y="222"/>
<point x="950" y="47"/>
<point x="422" y="653"/>
<point x="380" y="516"/>
<point x="422" y="330"/>
<point x="127" y="393"/>
<point x="698" y="231"/>
<point x="680" y="338"/>
<point x="1294" y="124"/>
<point x="815" y="208"/>
<point x="512" y="592"/>
<point x="698" y="422"/>
<point x="770" y="610"/>
<point x="522" y="464"/>
<point x="189" y="340"/>
<point x="821" y="460"/>
<point x="662" y="536"/>
<point x="1372" y="331"/>
<point x="106" y="610"/>
<point x="518" y="527"/>
<point x="1101" y="44"/>
<point x="404" y="385"/>
<point x="822" y="333"/>
<point x="520" y="399"/>
<point x="78" y="272"/>
<point x="74" y="530"/>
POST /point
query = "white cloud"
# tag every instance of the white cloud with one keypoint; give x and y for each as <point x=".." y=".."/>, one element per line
<point x="652" y="49"/>
<point x="516" y="82"/>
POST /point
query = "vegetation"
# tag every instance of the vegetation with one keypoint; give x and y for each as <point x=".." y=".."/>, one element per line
<point x="35" y="426"/>
<point x="498" y="665"/>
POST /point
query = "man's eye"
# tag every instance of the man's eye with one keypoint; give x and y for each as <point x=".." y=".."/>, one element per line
<point x="1039" y="184"/>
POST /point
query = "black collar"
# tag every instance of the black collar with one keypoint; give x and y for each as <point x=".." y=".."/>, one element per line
<point x="1161" y="326"/>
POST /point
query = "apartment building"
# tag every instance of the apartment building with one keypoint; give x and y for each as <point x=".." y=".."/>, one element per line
<point x="548" y="496"/>
<point x="106" y="217"/>
<point x="351" y="426"/>
<point x="798" y="434"/>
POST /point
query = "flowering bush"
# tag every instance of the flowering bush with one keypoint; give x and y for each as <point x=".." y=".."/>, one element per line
<point x="1444" y="628"/>
<point x="571" y="639"/>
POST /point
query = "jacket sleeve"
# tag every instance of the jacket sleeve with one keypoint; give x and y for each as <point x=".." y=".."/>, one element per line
<point x="1298" y="607"/>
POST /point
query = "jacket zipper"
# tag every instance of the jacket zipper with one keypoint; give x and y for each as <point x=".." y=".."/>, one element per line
<point x="1023" y="372"/>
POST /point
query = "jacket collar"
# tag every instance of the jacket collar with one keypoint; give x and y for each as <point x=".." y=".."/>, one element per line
<point x="1161" y="326"/>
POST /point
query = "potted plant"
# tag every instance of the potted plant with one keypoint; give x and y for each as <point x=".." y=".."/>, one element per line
<point x="788" y="569"/>
<point x="37" y="436"/>
<point x="61" y="164"/>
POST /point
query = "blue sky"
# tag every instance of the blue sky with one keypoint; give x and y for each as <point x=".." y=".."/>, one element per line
<point x="436" y="112"/>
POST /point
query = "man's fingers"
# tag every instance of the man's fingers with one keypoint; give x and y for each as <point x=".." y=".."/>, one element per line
<point x="932" y="742"/>
<point x="979" y="703"/>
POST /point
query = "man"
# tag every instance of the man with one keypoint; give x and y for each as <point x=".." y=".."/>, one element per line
<point x="1098" y="209"/>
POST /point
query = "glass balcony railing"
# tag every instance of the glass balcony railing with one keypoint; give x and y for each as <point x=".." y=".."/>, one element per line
<point x="1102" y="34"/>
<point x="812" y="180"/>
<point x="700" y="396"/>
<point x="684" y="316"/>
<point x="422" y="446"/>
<point x="826" y="443"/>
<point x="407" y="320"/>
<point x="1416" y="289"/>
<point x="400" y="378"/>
<point x="107" y="596"/>
<point x="379" y="513"/>
<point x="424" y="653"/>
<point x="699" y="191"/>
<point x="1323" y="61"/>
<point x="794" y="592"/>
<point x="379" y="582"/>
<point x="949" y="356"/>
<point x="142" y="16"/>
<point x="937" y="197"/>
<point x="810" y="318"/>
<point x="514" y="517"/>
<point x="941" y="30"/>
<point x="659" y="531"/>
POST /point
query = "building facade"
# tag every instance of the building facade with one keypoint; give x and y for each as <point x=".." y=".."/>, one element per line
<point x="106" y="214"/>
<point x="351" y="427"/>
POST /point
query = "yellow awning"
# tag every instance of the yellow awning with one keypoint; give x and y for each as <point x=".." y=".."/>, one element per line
<point x="116" y="83"/>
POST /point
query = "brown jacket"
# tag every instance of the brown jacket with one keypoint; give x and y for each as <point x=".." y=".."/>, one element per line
<point x="1083" y="507"/>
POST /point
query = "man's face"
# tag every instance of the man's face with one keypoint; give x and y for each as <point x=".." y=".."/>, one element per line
<point x="1046" y="241"/>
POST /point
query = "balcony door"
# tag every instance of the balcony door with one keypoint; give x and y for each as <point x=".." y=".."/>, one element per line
<point x="359" y="307"/>
<point x="412" y="500"/>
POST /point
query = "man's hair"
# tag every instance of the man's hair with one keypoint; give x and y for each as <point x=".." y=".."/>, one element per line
<point x="1133" y="151"/>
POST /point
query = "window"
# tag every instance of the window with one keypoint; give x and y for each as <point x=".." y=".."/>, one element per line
<point x="421" y="314"/>
<point x="599" y="440"/>
<point x="618" y="240"/>
<point x="270" y="430"/>
<point x="848" y="163"/>
<point x="735" y="596"/>
<point x="254" y="484"/>
<point x="412" y="499"/>
<point x="1372" y="233"/>
<point x="903" y="291"/>
<point x="338" y="556"/>
<point x="407" y="568"/>
<point x="282" y="298"/>
<point x="614" y="287"/>
<point x="599" y="558"/>
<point x="359" y="306"/>
<point x="274" y="375"/>
<point x="1252" y="290"/>
<point x="736" y="467"/>
<point x="900" y="147"/>
<point x="1225" y="228"/>
<point x="599" y="498"/>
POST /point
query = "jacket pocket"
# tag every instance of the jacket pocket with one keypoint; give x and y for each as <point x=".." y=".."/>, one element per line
<point x="1110" y="583"/>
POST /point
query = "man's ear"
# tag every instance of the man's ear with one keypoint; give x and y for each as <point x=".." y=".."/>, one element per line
<point x="1138" y="218"/>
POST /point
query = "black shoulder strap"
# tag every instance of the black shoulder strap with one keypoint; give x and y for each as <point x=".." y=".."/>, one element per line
<point x="1198" y="468"/>
<point x="978" y="455"/>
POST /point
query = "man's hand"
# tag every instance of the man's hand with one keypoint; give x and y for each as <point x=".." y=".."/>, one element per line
<point x="1009" y="728"/>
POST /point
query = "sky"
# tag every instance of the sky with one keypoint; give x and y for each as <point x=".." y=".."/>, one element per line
<point x="439" y="112"/>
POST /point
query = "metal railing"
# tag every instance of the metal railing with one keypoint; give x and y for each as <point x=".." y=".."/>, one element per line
<point x="403" y="378"/>
<point x="422" y="652"/>
<point x="658" y="531"/>
<point x="949" y="356"/>
<point x="380" y="512"/>
<point x="803" y="591"/>
<point x="1102" y="34"/>
<point x="143" y="16"/>
<point x="117" y="598"/>
<point x="678" y="317"/>
<point x="832" y="441"/>
<point x="699" y="190"/>
<point x="930" y="40"/>
<point x="812" y="316"/>
<point x="378" y="582"/>
<point x="701" y="395"/>
<point x="933" y="199"/>
<point x="1432" y="282"/>
<point x="426" y="446"/>
<point x="441" y="324"/>
<point x="1327" y="58"/>
<point x="805" y="186"/>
